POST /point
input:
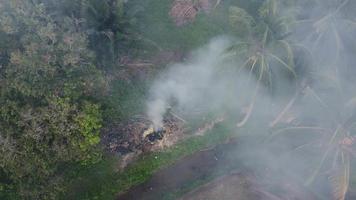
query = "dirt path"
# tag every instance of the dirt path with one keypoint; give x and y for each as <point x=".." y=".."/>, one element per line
<point x="173" y="179"/>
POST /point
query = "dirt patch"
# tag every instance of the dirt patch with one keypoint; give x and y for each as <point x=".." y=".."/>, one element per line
<point x="230" y="187"/>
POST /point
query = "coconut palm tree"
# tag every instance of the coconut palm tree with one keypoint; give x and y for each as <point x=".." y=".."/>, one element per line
<point x="264" y="48"/>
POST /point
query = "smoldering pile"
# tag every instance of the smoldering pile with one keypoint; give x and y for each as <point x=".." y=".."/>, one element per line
<point x="137" y="135"/>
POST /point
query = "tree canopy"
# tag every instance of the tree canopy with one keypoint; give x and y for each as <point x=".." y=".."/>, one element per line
<point x="49" y="117"/>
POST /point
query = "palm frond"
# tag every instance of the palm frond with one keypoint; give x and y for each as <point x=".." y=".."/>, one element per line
<point x="284" y="111"/>
<point x="350" y="23"/>
<point x="290" y="54"/>
<point x="315" y="173"/>
<point x="317" y="97"/>
<point x="265" y="37"/>
<point x="269" y="8"/>
<point x="287" y="66"/>
<point x="269" y="74"/>
<point x="245" y="64"/>
<point x="340" y="178"/>
<point x="337" y="41"/>
<point x="255" y="59"/>
<point x="252" y="104"/>
<point x="237" y="48"/>
<point x="241" y="21"/>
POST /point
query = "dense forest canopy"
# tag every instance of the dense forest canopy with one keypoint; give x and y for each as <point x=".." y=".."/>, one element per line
<point x="70" y="69"/>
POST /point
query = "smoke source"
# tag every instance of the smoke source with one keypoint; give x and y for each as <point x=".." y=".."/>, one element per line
<point x="201" y="83"/>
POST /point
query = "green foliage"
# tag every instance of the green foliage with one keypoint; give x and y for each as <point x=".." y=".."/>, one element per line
<point x="48" y="119"/>
<point x="89" y="125"/>
<point x="107" y="23"/>
<point x="37" y="141"/>
<point x="126" y="100"/>
<point x="241" y="21"/>
<point x="95" y="181"/>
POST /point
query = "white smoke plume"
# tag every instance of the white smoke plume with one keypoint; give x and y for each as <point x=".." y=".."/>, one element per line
<point x="190" y="85"/>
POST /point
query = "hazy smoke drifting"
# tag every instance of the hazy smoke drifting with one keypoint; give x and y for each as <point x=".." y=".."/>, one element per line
<point x="186" y="84"/>
<point x="325" y="35"/>
<point x="209" y="81"/>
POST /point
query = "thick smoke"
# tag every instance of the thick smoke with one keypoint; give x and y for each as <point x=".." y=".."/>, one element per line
<point x="186" y="84"/>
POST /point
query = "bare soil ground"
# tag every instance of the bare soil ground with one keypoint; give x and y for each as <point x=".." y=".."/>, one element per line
<point x="244" y="186"/>
<point x="230" y="187"/>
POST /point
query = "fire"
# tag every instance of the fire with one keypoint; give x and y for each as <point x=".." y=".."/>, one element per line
<point x="153" y="130"/>
<point x="148" y="132"/>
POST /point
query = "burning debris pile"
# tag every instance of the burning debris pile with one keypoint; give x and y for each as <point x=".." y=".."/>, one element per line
<point x="137" y="135"/>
